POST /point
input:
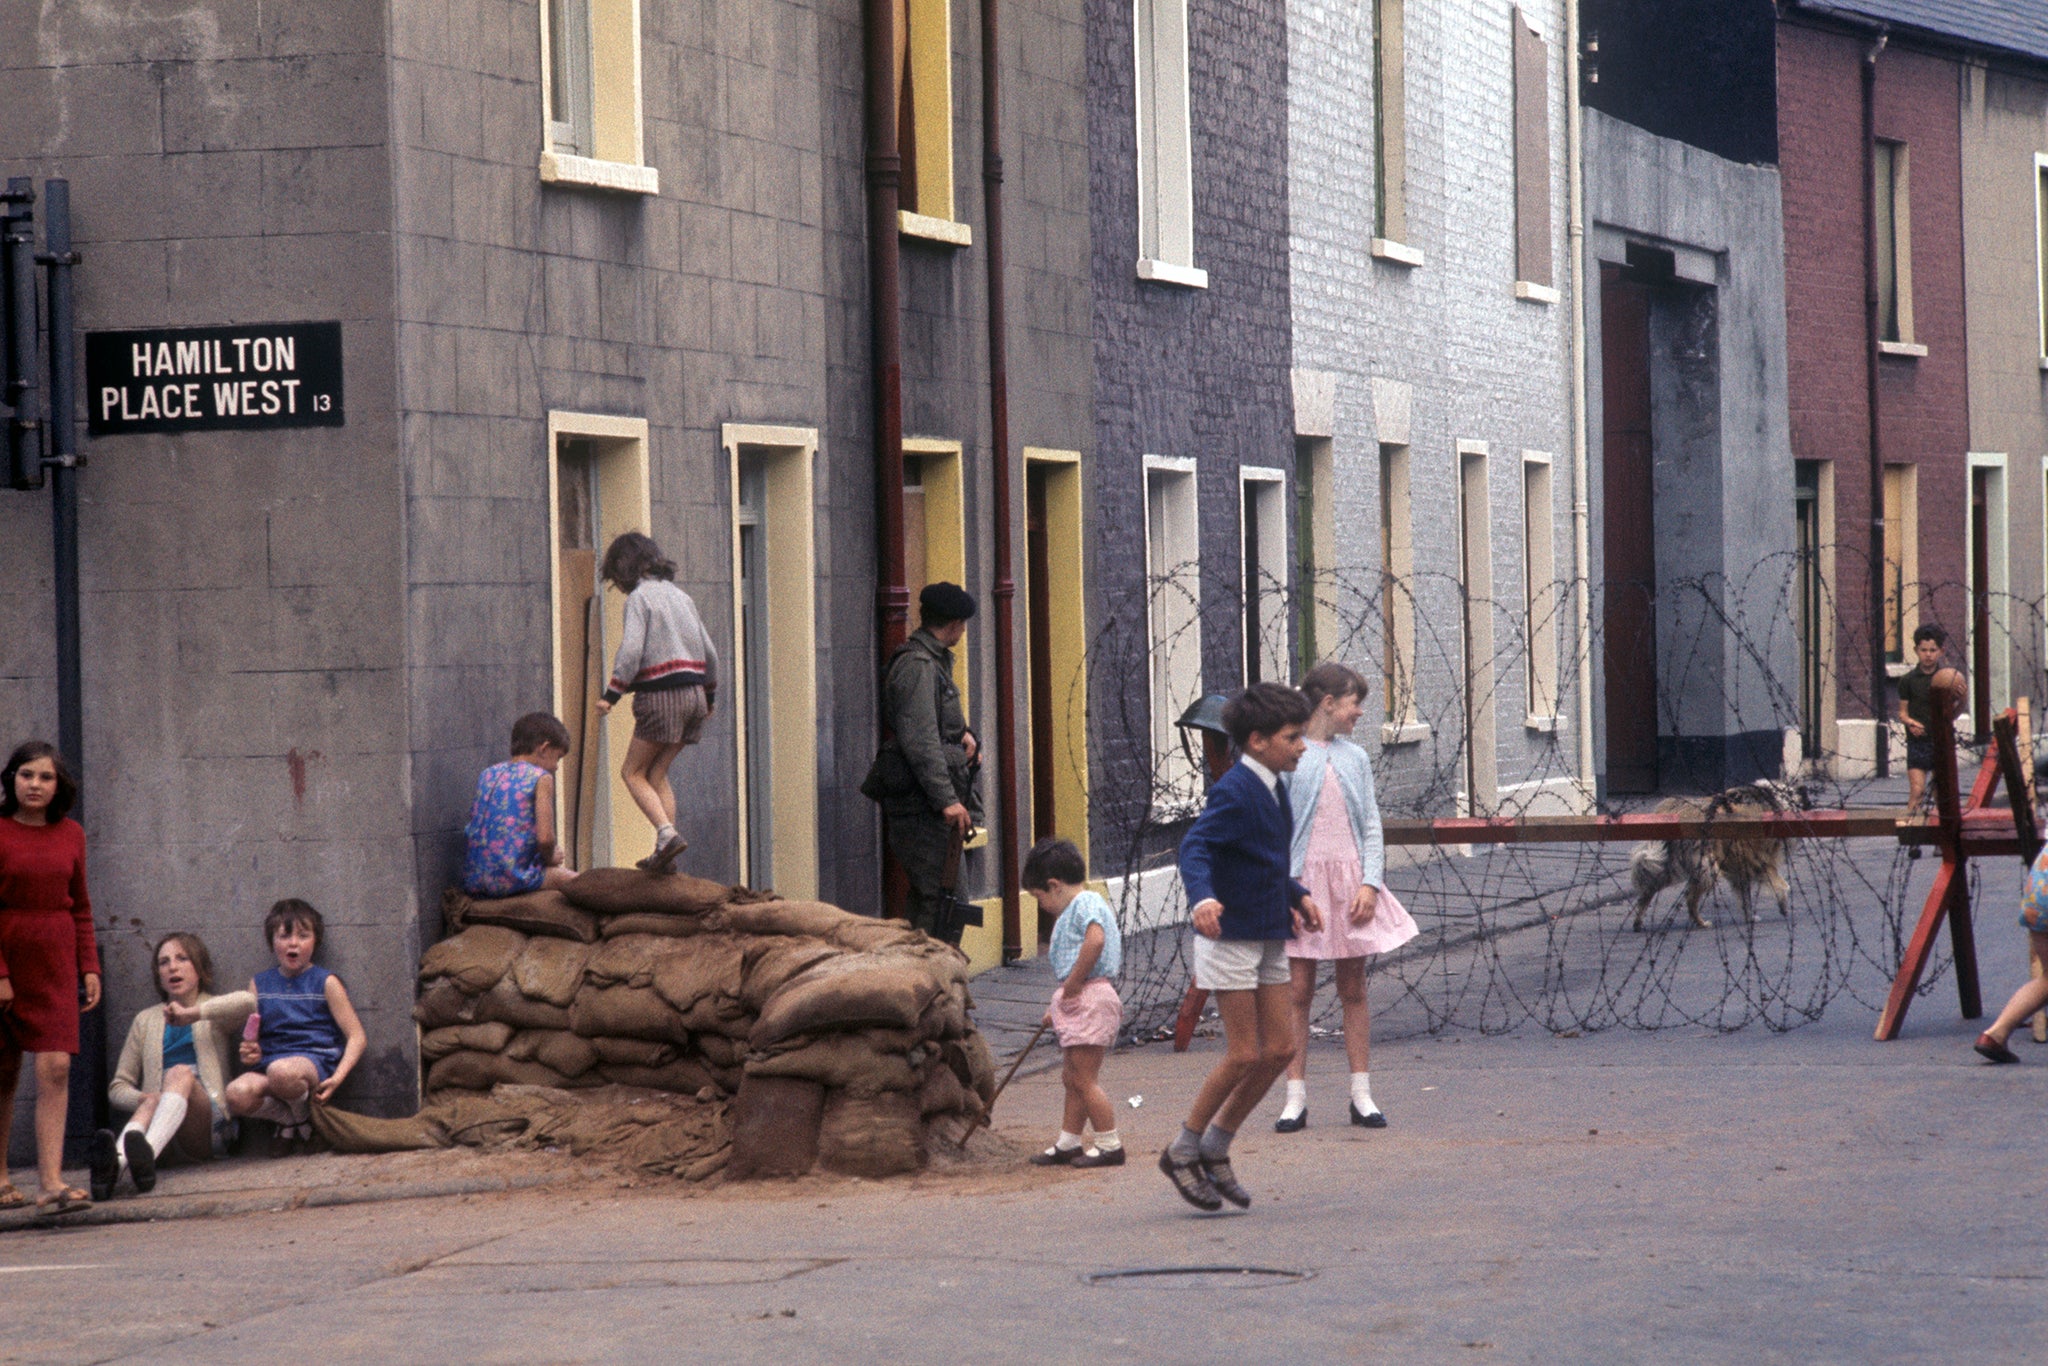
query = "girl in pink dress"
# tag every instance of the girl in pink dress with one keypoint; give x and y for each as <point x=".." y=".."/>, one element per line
<point x="1338" y="854"/>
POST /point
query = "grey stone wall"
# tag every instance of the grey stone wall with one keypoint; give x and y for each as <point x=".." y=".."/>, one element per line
<point x="246" y="726"/>
<point x="1454" y="354"/>
<point x="1723" y="458"/>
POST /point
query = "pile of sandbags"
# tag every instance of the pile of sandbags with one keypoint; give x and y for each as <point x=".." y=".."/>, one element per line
<point x="842" y="1041"/>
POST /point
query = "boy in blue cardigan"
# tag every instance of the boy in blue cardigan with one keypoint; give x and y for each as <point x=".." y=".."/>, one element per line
<point x="1234" y="864"/>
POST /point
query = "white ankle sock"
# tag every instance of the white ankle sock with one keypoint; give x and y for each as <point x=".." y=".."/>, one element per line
<point x="1067" y="1142"/>
<point x="1361" y="1092"/>
<point x="121" y="1142"/>
<point x="1108" y="1140"/>
<point x="1297" y="1100"/>
<point x="163" y="1125"/>
<point x="663" y="835"/>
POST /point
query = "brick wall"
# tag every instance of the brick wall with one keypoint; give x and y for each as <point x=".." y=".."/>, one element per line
<point x="1922" y="403"/>
<point x="1182" y="372"/>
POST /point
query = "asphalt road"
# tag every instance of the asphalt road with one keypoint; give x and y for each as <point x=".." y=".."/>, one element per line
<point x="1678" y="1196"/>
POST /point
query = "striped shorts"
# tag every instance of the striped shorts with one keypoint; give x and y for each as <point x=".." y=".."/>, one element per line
<point x="670" y="716"/>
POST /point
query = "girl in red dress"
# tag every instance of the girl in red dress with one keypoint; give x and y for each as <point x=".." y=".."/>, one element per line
<point x="46" y="948"/>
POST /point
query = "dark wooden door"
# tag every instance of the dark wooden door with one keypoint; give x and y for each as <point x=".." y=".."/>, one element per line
<point x="1628" y="525"/>
<point x="1038" y="629"/>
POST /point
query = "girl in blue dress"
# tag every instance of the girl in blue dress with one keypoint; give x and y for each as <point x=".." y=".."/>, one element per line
<point x="308" y="1038"/>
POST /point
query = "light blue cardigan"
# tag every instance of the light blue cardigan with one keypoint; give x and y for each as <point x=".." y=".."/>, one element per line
<point x="1354" y="780"/>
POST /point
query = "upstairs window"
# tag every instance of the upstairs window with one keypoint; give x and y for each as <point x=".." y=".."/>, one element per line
<point x="590" y="51"/>
<point x="1532" y="162"/>
<point x="1891" y="168"/>
<point x="1166" y="197"/>
<point x="924" y="119"/>
<point x="1390" y="133"/>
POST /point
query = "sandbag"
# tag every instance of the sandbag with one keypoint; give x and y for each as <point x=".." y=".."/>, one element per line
<point x="847" y="993"/>
<point x="810" y="919"/>
<point x="775" y="1123"/>
<point x="862" y="934"/>
<point x="505" y="1002"/>
<point x="848" y="1062"/>
<point x="667" y="926"/>
<point x="474" y="959"/>
<point x="685" y="1076"/>
<point x="878" y="1135"/>
<point x="629" y="960"/>
<point x="454" y="905"/>
<point x="634" y="1052"/>
<point x="627" y="891"/>
<point x="557" y="1049"/>
<point x="627" y="1012"/>
<point x="945" y="1017"/>
<point x="482" y="1038"/>
<point x="943" y="1094"/>
<point x="550" y="970"/>
<point x="771" y="962"/>
<point x="442" y="1004"/>
<point x="546" y="912"/>
<point x="707" y="965"/>
<point x="718" y="1050"/>
<point x="466" y="1070"/>
<point x="721" y="1015"/>
<point x="972" y="1063"/>
<point x="352" y="1133"/>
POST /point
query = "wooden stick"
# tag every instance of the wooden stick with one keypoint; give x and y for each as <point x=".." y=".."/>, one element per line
<point x="989" y="1111"/>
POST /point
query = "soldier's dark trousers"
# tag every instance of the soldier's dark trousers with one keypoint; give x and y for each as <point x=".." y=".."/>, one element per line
<point x="919" y="843"/>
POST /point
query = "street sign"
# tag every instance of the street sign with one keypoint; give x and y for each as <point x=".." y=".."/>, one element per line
<point x="194" y="379"/>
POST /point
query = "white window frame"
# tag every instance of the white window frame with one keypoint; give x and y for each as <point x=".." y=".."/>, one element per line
<point x="1999" y="565"/>
<point x="2040" y="189"/>
<point x="600" y="145"/>
<point x="1165" y="149"/>
<point x="1275" y="568"/>
<point x="1543" y="594"/>
<point x="1173" y="623"/>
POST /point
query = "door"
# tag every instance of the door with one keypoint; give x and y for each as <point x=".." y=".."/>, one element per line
<point x="1806" y="602"/>
<point x="1980" y="601"/>
<point x="1038" y="626"/>
<point x="1628" y="529"/>
<point x="752" y="656"/>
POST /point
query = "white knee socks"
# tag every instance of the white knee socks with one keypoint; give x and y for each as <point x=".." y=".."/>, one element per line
<point x="163" y="1125"/>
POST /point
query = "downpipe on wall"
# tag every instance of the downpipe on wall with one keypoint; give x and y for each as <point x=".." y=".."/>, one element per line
<point x="1575" y="240"/>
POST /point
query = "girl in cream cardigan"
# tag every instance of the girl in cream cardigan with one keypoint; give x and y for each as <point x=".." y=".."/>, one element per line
<point x="173" y="1072"/>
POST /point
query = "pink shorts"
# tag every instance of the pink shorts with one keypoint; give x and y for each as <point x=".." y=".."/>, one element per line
<point x="1091" y="1020"/>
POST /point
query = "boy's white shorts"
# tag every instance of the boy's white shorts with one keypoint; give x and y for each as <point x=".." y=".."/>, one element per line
<point x="1240" y="964"/>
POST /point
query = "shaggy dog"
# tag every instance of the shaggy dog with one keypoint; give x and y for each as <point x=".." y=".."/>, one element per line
<point x="1747" y="862"/>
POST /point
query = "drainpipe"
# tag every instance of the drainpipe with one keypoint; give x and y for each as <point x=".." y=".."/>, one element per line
<point x="64" y="462"/>
<point x="1880" y="734"/>
<point x="999" y="435"/>
<point x="1575" y="240"/>
<point x="885" y="180"/>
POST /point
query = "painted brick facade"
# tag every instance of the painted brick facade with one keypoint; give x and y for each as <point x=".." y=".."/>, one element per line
<point x="1922" y="402"/>
<point x="1476" y="363"/>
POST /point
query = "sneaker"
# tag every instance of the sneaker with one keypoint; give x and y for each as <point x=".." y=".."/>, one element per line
<point x="1096" y="1157"/>
<point x="1056" y="1156"/>
<point x="1191" y="1181"/>
<point x="141" y="1160"/>
<point x="1224" y="1180"/>
<point x="104" y="1160"/>
<point x="664" y="857"/>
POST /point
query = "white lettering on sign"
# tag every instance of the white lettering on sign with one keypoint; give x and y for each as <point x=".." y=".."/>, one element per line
<point x="262" y="355"/>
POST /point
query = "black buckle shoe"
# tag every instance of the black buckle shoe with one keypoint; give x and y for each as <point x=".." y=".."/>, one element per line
<point x="104" y="1160"/>
<point x="1225" y="1181"/>
<point x="141" y="1160"/>
<point x="1284" y="1125"/>
<point x="1098" y="1157"/>
<point x="1191" y="1181"/>
<point x="1056" y="1156"/>
<point x="1375" y="1120"/>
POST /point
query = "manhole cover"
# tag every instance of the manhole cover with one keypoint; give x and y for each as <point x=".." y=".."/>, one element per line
<point x="1207" y="1277"/>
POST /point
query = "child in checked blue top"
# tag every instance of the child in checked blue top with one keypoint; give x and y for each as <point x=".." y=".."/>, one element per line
<point x="510" y="847"/>
<point x="1086" y="952"/>
<point x="307" y="1038"/>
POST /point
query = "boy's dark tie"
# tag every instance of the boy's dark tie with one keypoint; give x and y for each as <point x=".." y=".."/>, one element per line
<point x="1286" y="807"/>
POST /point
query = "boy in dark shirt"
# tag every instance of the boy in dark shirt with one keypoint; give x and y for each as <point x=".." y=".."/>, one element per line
<point x="1916" y="710"/>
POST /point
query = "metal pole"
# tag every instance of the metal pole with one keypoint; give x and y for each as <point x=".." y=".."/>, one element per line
<point x="24" y="394"/>
<point x="1880" y="735"/>
<point x="63" y="463"/>
<point x="1582" y="557"/>
<point x="999" y="435"/>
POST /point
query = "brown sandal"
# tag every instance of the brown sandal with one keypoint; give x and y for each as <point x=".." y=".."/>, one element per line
<point x="63" y="1200"/>
<point x="11" y="1196"/>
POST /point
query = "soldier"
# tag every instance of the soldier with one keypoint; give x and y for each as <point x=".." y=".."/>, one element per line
<point x="924" y="775"/>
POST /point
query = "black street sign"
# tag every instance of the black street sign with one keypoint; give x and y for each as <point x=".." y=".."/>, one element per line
<point x="196" y="379"/>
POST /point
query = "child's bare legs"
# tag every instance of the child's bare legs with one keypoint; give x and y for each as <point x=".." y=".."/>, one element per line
<point x="1357" y="1019"/>
<point x="1301" y="998"/>
<point x="1258" y="1034"/>
<point x="196" y="1131"/>
<point x="1916" y="790"/>
<point x="646" y="775"/>
<point x="287" y="1082"/>
<point x="2029" y="998"/>
<point x="1087" y="1102"/>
